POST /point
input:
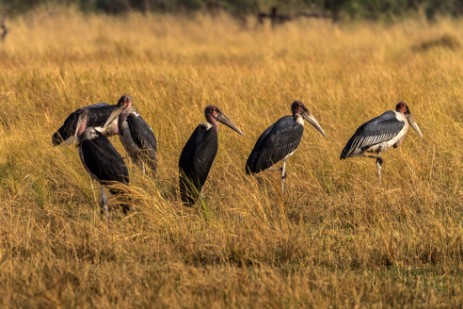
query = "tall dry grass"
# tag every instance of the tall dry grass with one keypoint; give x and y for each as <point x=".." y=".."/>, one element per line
<point x="337" y="238"/>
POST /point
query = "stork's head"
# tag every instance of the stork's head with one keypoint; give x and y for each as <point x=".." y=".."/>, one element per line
<point x="125" y="102"/>
<point x="124" y="106"/>
<point x="298" y="108"/>
<point x="402" y="107"/>
<point x="213" y="114"/>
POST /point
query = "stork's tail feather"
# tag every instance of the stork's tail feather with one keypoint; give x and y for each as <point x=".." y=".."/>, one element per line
<point x="343" y="155"/>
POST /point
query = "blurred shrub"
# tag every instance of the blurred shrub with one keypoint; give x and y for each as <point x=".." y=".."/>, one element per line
<point x="350" y="9"/>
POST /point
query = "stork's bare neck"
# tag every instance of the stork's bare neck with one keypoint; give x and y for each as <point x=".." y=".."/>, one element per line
<point x="82" y="126"/>
<point x="125" y="103"/>
<point x="212" y="121"/>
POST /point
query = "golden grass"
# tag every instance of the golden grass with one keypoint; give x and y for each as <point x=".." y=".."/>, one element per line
<point x="337" y="238"/>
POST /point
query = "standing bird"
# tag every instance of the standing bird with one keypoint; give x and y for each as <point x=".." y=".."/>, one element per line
<point x="101" y="160"/>
<point x="380" y="134"/>
<point x="199" y="154"/>
<point x="135" y="134"/>
<point x="280" y="140"/>
<point x="97" y="117"/>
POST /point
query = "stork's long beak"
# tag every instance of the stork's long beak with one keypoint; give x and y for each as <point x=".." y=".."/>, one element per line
<point x="414" y="125"/>
<point x="112" y="117"/>
<point x="224" y="119"/>
<point x="311" y="119"/>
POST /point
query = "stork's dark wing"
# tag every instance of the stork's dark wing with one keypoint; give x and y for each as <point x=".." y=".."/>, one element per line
<point x="196" y="161"/>
<point x="97" y="116"/>
<point x="373" y="132"/>
<point x="99" y="113"/>
<point x="103" y="161"/>
<point x="142" y="133"/>
<point x="277" y="141"/>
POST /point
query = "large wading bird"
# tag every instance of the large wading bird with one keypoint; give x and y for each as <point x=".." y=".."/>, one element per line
<point x="101" y="160"/>
<point x="199" y="153"/>
<point x="380" y="134"/>
<point x="97" y="117"/>
<point x="280" y="140"/>
<point x="135" y="134"/>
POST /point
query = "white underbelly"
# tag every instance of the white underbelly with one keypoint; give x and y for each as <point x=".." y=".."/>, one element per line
<point x="390" y="143"/>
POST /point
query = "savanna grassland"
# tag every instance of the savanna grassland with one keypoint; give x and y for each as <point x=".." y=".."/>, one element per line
<point x="336" y="238"/>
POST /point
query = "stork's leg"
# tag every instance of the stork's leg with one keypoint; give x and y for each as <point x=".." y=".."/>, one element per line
<point x="379" y="162"/>
<point x="104" y="204"/>
<point x="283" y="176"/>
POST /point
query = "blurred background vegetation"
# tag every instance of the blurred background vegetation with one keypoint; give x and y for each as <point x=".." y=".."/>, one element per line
<point x="387" y="10"/>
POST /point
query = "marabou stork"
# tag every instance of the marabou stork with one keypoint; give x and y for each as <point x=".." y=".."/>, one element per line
<point x="97" y="117"/>
<point x="136" y="135"/>
<point x="199" y="153"/>
<point x="280" y="140"/>
<point x="381" y="133"/>
<point x="101" y="160"/>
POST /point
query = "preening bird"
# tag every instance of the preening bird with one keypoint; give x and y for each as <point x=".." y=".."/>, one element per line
<point x="280" y="140"/>
<point x="100" y="159"/>
<point x="97" y="117"/>
<point x="199" y="153"/>
<point x="381" y="133"/>
<point x="136" y="135"/>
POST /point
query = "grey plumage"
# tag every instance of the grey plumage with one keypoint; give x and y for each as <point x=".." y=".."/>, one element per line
<point x="381" y="133"/>
<point x="378" y="130"/>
